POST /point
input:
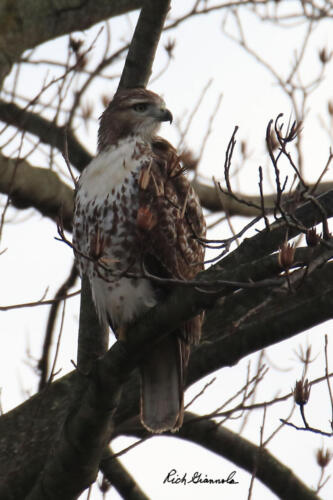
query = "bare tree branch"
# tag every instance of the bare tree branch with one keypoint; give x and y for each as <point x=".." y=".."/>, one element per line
<point x="48" y="132"/>
<point x="216" y="201"/>
<point x="141" y="54"/>
<point x="120" y="478"/>
<point x="26" y="25"/>
<point x="22" y="183"/>
<point x="93" y="338"/>
<point x="73" y="462"/>
<point x="43" y="364"/>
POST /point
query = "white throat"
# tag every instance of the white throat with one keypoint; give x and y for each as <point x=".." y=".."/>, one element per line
<point x="109" y="169"/>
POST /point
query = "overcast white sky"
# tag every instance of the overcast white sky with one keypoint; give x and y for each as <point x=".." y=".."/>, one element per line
<point x="35" y="261"/>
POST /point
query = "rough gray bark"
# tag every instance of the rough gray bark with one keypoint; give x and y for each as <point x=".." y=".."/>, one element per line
<point x="141" y="54"/>
<point x="47" y="131"/>
<point x="119" y="477"/>
<point x="22" y="182"/>
<point x="24" y="24"/>
<point x="93" y="339"/>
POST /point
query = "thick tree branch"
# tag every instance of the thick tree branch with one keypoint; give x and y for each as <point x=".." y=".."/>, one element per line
<point x="234" y="309"/>
<point x="25" y="25"/>
<point x="22" y="183"/>
<point x="283" y="318"/>
<point x="27" y="434"/>
<point x="217" y="201"/>
<point x="142" y="50"/>
<point x="120" y="478"/>
<point x="93" y="338"/>
<point x="74" y="460"/>
<point x="47" y="131"/>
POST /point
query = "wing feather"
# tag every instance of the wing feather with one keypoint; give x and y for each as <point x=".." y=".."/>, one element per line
<point x="174" y="223"/>
<point x="171" y="204"/>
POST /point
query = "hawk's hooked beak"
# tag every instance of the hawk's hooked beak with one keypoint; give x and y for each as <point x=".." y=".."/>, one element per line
<point x="165" y="115"/>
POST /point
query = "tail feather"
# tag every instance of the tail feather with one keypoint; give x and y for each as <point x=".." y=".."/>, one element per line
<point x="162" y="381"/>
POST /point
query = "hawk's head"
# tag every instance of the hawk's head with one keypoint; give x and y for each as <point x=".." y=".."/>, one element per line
<point x="132" y="112"/>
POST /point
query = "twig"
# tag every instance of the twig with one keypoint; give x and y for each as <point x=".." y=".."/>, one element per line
<point x="310" y="429"/>
<point x="52" y="374"/>
<point x="11" y="185"/>
<point x="43" y="364"/>
<point x="327" y="378"/>
<point x="228" y="157"/>
<point x="255" y="387"/>
<point x="262" y="199"/>
<point x="200" y="393"/>
<point x="66" y="158"/>
<point x="119" y="477"/>
<point x="40" y="302"/>
<point x="130" y="447"/>
<point x="260" y="447"/>
<point x="325" y="169"/>
<point x="255" y="406"/>
<point x="184" y="132"/>
<point x="210" y="126"/>
<point x="117" y="275"/>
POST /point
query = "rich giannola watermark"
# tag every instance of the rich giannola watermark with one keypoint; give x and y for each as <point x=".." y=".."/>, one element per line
<point x="175" y="477"/>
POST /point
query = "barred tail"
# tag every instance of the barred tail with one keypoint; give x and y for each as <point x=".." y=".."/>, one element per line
<point x="162" y="380"/>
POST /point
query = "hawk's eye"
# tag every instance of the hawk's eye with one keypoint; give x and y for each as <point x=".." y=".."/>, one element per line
<point x="140" y="107"/>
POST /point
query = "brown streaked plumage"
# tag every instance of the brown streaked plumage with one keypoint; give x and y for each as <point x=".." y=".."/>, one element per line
<point x="135" y="210"/>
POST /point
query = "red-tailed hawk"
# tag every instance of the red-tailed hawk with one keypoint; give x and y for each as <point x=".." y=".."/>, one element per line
<point x="135" y="211"/>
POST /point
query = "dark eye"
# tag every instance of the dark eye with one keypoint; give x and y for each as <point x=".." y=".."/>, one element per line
<point x="140" y="107"/>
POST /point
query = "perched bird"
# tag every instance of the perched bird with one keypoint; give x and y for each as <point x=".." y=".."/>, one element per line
<point x="135" y="212"/>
